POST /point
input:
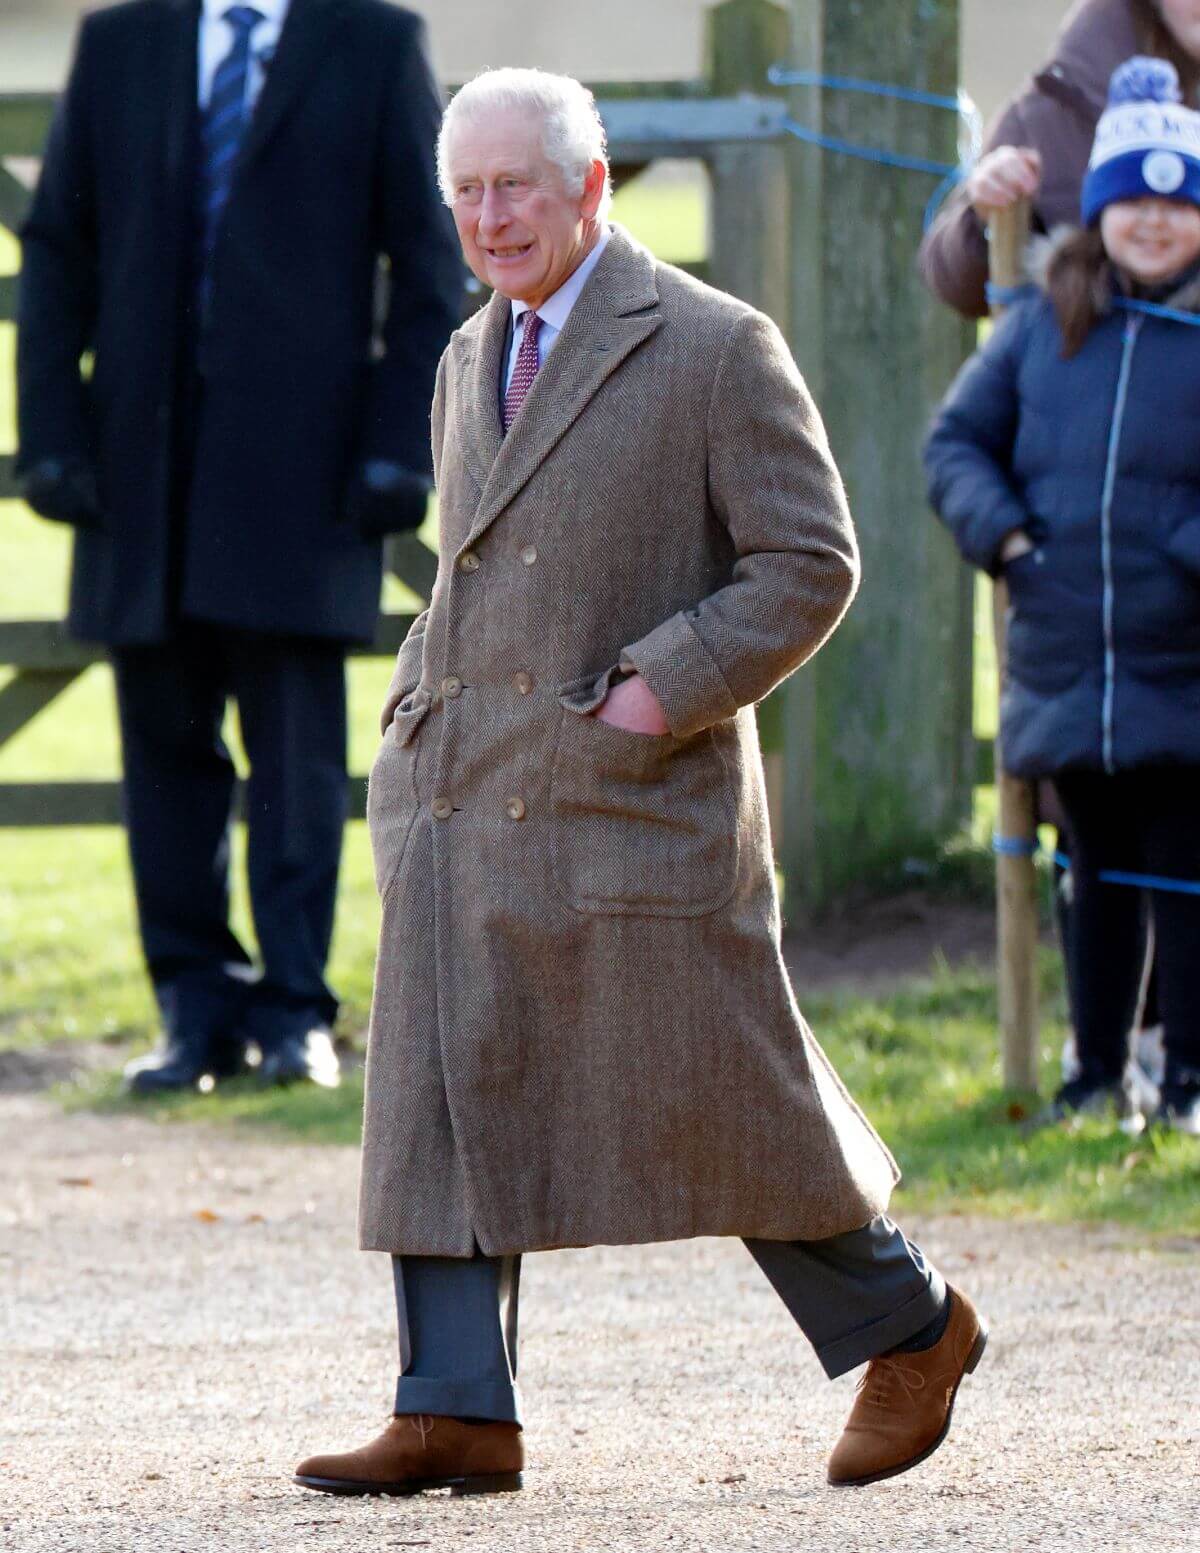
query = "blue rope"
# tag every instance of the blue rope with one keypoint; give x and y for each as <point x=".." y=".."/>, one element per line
<point x="1015" y="846"/>
<point x="1173" y="315"/>
<point x="1019" y="846"/>
<point x="1005" y="296"/>
<point x="948" y="175"/>
<point x="908" y="164"/>
<point x="1150" y="882"/>
<point x="779" y="75"/>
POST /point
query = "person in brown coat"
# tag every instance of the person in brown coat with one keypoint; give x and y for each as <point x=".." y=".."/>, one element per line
<point x="1038" y="146"/>
<point x="582" y="1030"/>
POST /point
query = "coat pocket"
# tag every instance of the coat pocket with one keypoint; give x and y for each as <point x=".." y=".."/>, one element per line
<point x="644" y="825"/>
<point x="392" y="800"/>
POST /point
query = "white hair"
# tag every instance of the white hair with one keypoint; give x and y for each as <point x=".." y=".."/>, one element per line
<point x="572" y="134"/>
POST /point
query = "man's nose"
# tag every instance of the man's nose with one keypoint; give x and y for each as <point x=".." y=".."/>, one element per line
<point x="492" y="213"/>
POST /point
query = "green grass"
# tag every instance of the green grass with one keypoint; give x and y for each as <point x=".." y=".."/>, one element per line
<point x="922" y="1059"/>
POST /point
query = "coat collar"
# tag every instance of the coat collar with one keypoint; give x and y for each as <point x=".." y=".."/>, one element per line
<point x="302" y="44"/>
<point x="616" y="312"/>
<point x="181" y="23"/>
<point x="307" y="29"/>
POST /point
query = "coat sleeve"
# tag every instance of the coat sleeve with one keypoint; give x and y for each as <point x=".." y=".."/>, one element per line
<point x="953" y="259"/>
<point x="57" y="296"/>
<point x="774" y="486"/>
<point x="968" y="454"/>
<point x="417" y="235"/>
<point x="406" y="676"/>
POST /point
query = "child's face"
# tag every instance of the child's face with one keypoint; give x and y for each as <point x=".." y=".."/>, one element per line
<point x="1152" y="239"/>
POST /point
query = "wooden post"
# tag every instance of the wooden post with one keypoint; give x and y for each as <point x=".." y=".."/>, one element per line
<point x="1016" y="805"/>
<point x="749" y="225"/>
<point x="878" y="729"/>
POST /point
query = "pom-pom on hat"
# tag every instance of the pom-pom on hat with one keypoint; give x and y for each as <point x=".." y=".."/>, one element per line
<point x="1147" y="141"/>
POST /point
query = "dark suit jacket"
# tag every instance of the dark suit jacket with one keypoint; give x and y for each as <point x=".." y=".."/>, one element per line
<point x="337" y="168"/>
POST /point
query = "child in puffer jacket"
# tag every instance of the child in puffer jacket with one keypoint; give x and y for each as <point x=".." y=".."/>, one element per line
<point x="1067" y="458"/>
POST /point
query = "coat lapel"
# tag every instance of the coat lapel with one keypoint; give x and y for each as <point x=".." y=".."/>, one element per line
<point x="479" y="402"/>
<point x="302" y="45"/>
<point x="615" y="313"/>
<point x="180" y="21"/>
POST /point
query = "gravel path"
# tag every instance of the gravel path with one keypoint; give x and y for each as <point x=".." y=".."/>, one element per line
<point x="183" y="1314"/>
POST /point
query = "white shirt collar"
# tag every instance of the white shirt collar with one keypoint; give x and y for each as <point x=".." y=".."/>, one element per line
<point x="556" y="309"/>
<point x="272" y="10"/>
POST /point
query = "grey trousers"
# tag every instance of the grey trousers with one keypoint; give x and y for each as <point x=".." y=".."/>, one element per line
<point x="853" y="1296"/>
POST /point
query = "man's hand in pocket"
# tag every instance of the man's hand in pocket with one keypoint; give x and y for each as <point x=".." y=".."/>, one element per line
<point x="632" y="705"/>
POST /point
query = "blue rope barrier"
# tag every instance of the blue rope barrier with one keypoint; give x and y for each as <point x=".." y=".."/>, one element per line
<point x="949" y="175"/>
<point x="1015" y="846"/>
<point x="780" y="75"/>
<point x="1005" y="296"/>
<point x="1173" y="315"/>
<point x="908" y="164"/>
<point x="1019" y="846"/>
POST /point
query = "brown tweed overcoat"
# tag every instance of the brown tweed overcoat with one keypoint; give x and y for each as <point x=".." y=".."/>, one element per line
<point x="582" y="1029"/>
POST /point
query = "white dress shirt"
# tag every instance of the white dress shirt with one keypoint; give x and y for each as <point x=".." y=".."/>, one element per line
<point x="555" y="310"/>
<point x="216" y="39"/>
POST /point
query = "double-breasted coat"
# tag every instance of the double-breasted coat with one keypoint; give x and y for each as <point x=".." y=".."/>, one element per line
<point x="583" y="1031"/>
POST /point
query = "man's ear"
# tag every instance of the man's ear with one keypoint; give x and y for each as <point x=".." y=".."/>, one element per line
<point x="593" y="189"/>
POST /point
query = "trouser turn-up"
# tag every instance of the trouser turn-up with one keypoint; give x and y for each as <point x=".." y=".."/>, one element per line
<point x="854" y="1296"/>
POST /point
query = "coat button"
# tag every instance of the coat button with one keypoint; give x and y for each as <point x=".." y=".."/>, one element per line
<point x="468" y="562"/>
<point x="523" y="682"/>
<point x="441" y="808"/>
<point x="452" y="686"/>
<point x="515" y="808"/>
<point x="529" y="554"/>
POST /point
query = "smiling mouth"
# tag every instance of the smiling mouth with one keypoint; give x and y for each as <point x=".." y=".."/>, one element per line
<point x="509" y="253"/>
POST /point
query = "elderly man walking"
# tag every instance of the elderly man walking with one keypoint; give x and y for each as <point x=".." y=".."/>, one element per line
<point x="583" y="1032"/>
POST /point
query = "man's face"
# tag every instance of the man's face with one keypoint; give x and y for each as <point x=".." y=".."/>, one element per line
<point x="1183" y="19"/>
<point x="522" y="232"/>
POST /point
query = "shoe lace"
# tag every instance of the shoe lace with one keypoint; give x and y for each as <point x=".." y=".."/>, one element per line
<point x="423" y="1423"/>
<point x="884" y="1377"/>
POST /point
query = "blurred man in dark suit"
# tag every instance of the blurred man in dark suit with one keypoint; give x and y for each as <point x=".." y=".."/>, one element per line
<point x="211" y="392"/>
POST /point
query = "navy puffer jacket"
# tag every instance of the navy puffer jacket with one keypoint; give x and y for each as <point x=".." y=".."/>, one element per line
<point x="1098" y="459"/>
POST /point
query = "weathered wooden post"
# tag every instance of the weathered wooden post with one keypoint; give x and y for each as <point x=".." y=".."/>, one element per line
<point x="878" y="732"/>
<point x="749" y="226"/>
<point x="1016" y="805"/>
<point x="748" y="212"/>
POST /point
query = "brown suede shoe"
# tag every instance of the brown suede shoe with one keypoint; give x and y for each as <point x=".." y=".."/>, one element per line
<point x="905" y="1400"/>
<point x="417" y="1451"/>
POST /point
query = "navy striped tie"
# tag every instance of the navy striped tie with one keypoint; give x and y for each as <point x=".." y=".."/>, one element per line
<point x="224" y="125"/>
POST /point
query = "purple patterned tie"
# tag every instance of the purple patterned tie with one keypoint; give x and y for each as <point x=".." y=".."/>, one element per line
<point x="525" y="370"/>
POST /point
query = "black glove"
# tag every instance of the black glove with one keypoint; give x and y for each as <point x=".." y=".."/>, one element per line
<point x="64" y="489"/>
<point x="387" y="498"/>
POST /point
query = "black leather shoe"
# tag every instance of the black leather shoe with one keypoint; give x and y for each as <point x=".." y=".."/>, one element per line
<point x="184" y="1062"/>
<point x="304" y="1054"/>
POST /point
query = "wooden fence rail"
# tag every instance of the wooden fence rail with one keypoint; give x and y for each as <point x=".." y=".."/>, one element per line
<point x="644" y="123"/>
<point x="730" y="119"/>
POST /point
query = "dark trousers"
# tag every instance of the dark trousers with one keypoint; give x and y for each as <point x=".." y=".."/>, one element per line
<point x="853" y="1296"/>
<point x="1143" y="822"/>
<point x="179" y="792"/>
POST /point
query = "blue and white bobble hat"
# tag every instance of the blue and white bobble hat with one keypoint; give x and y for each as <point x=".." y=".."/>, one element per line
<point x="1147" y="141"/>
